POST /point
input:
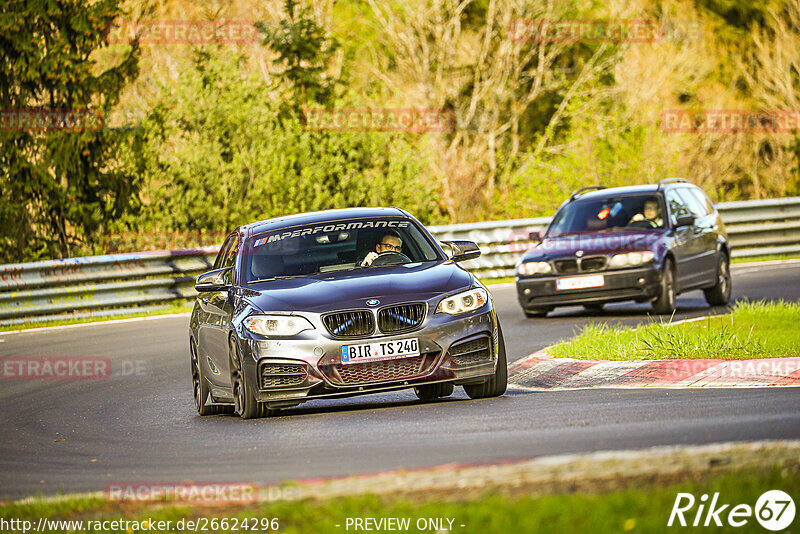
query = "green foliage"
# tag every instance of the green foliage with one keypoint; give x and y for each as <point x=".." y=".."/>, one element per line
<point x="219" y="153"/>
<point x="59" y="185"/>
<point x="603" y="147"/>
<point x="636" y="504"/>
<point x="304" y="51"/>
<point x="220" y="146"/>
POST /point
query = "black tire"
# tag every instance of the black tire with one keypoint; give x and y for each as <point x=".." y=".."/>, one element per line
<point x="593" y="307"/>
<point x="200" y="388"/>
<point x="434" y="391"/>
<point x="245" y="404"/>
<point x="537" y="312"/>
<point x="665" y="302"/>
<point x="495" y="386"/>
<point x="720" y="293"/>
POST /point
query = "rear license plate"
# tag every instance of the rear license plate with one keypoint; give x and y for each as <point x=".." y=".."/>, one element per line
<point x="383" y="350"/>
<point x="580" y="282"/>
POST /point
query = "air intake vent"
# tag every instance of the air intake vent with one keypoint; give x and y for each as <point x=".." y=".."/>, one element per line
<point x="274" y="375"/>
<point x="475" y="352"/>
<point x="342" y="374"/>
<point x="401" y="318"/>
<point x="349" y="324"/>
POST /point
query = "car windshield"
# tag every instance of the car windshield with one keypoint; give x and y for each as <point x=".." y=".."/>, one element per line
<point x="336" y="245"/>
<point x="608" y="214"/>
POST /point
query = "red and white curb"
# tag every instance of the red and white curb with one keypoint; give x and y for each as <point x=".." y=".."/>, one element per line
<point x="541" y="371"/>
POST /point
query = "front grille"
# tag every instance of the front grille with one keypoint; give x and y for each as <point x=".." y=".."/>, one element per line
<point x="401" y="318"/>
<point x="566" y="266"/>
<point x="356" y="323"/>
<point x="583" y="265"/>
<point x="282" y="374"/>
<point x="381" y="371"/>
<point x="593" y="263"/>
<point x="474" y="352"/>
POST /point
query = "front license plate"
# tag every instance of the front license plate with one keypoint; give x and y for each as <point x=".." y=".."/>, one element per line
<point x="383" y="350"/>
<point x="580" y="282"/>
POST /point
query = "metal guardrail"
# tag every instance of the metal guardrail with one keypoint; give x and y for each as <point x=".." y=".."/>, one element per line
<point x="125" y="283"/>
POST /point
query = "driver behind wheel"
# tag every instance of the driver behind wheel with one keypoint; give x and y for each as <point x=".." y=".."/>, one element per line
<point x="390" y="242"/>
<point x="651" y="214"/>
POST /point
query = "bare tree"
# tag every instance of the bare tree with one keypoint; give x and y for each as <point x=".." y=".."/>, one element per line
<point x="489" y="75"/>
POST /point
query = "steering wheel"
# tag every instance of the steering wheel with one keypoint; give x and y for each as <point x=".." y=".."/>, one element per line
<point x="390" y="257"/>
<point x="645" y="223"/>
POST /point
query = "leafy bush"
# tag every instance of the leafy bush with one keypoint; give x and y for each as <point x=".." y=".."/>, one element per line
<point x="219" y="153"/>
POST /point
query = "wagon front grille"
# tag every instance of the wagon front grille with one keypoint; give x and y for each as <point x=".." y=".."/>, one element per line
<point x="583" y="265"/>
<point x="593" y="263"/>
<point x="401" y="318"/>
<point x="566" y="266"/>
<point x="348" y="324"/>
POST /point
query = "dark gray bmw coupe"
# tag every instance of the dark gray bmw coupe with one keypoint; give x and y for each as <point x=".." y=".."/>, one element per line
<point x="340" y="303"/>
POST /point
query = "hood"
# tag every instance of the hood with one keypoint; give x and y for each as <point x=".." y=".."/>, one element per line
<point x="326" y="292"/>
<point x="595" y="243"/>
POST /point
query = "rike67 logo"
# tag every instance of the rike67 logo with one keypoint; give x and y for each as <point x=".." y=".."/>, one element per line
<point x="774" y="510"/>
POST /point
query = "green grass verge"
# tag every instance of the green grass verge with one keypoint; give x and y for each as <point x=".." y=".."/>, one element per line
<point x="177" y="307"/>
<point x="770" y="257"/>
<point x="503" y="280"/>
<point x="644" y="508"/>
<point x="751" y="330"/>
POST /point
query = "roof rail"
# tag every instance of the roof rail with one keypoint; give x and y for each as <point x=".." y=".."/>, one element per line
<point x="582" y="190"/>
<point x="670" y="181"/>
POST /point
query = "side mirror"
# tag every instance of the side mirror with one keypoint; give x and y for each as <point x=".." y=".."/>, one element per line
<point x="684" y="220"/>
<point x="536" y="236"/>
<point x="216" y="280"/>
<point x="463" y="250"/>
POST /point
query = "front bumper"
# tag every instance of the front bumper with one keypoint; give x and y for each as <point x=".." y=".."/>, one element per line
<point x="451" y="350"/>
<point x="641" y="284"/>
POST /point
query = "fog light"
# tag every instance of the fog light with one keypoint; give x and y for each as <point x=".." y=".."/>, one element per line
<point x="641" y="281"/>
<point x="527" y="291"/>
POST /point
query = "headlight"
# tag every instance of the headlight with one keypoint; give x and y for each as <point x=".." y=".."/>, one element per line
<point x="533" y="267"/>
<point x="630" y="259"/>
<point x="464" y="302"/>
<point x="277" y="325"/>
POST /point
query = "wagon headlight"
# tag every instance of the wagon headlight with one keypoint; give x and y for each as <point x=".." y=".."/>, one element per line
<point x="464" y="302"/>
<point x="533" y="267"/>
<point x="277" y="325"/>
<point x="630" y="259"/>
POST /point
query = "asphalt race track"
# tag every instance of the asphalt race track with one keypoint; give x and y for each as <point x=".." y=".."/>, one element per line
<point x="140" y="424"/>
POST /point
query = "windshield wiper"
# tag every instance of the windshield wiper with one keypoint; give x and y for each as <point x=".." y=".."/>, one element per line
<point x="276" y="278"/>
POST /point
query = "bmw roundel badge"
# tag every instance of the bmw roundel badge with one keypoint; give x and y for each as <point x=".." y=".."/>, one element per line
<point x="373" y="302"/>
